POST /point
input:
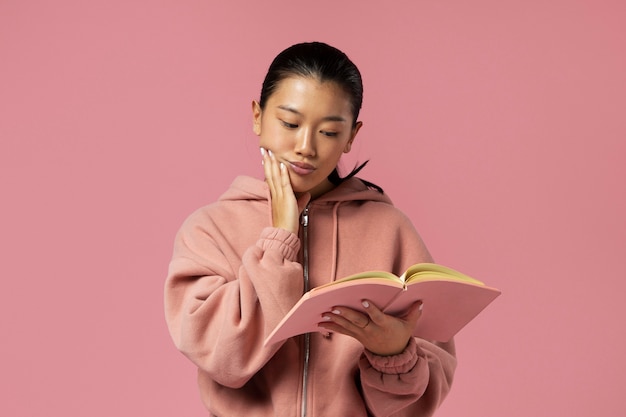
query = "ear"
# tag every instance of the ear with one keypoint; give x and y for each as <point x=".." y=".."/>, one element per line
<point x="353" y="133"/>
<point x="256" y="117"/>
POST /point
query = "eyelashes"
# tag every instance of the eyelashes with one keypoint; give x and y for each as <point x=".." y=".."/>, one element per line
<point x="288" y="125"/>
<point x="292" y="126"/>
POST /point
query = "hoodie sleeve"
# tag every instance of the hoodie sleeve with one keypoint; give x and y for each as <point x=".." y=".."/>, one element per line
<point x="412" y="383"/>
<point x="416" y="381"/>
<point x="219" y="311"/>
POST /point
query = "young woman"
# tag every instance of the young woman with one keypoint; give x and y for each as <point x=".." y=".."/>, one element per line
<point x="242" y="262"/>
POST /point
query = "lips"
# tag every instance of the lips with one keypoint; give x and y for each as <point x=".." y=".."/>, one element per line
<point x="301" y="168"/>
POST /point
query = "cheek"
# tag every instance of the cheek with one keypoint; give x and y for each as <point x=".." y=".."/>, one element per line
<point x="334" y="151"/>
<point x="272" y="138"/>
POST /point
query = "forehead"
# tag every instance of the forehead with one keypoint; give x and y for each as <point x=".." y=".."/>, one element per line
<point x="311" y="94"/>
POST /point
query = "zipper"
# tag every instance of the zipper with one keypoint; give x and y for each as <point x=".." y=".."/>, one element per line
<point x="307" y="337"/>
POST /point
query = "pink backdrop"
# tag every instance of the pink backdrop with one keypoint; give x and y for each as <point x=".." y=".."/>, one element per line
<point x="498" y="126"/>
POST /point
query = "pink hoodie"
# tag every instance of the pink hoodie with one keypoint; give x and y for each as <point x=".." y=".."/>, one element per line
<point x="233" y="277"/>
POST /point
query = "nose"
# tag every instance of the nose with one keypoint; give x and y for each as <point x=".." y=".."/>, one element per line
<point x="305" y="143"/>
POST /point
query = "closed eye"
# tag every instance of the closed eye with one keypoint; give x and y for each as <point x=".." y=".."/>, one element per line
<point x="288" y="125"/>
<point x="328" y="133"/>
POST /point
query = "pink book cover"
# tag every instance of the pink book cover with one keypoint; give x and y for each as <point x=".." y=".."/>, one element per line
<point x="451" y="300"/>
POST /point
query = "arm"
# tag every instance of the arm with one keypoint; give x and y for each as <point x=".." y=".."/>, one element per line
<point x="400" y="375"/>
<point x="218" y="316"/>
<point x="416" y="381"/>
<point x="411" y="380"/>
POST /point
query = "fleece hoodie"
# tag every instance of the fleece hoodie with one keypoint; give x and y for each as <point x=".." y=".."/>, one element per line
<point x="233" y="277"/>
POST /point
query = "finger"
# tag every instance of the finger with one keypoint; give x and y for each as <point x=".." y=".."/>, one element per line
<point x="414" y="313"/>
<point x="374" y="313"/>
<point x="332" y="323"/>
<point x="272" y="173"/>
<point x="279" y="173"/>
<point x="285" y="181"/>
<point x="275" y="167"/>
<point x="349" y="318"/>
<point x="267" y="168"/>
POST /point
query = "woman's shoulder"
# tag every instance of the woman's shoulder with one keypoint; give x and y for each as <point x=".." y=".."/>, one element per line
<point x="385" y="213"/>
<point x="245" y="197"/>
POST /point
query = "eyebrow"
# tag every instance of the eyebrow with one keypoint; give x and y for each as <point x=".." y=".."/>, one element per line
<point x="327" y="118"/>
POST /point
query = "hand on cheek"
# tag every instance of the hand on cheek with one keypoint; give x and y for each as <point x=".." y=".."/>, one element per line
<point x="285" y="207"/>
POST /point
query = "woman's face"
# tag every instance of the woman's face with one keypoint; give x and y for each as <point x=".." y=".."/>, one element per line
<point x="307" y="124"/>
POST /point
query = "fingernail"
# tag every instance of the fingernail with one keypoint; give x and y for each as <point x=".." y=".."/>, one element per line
<point x="326" y="318"/>
<point x="421" y="307"/>
<point x="336" y="312"/>
<point x="366" y="304"/>
<point x="282" y="166"/>
<point x="270" y="153"/>
<point x="262" y="151"/>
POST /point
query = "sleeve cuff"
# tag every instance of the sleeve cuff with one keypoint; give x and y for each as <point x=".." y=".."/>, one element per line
<point x="401" y="363"/>
<point x="281" y="240"/>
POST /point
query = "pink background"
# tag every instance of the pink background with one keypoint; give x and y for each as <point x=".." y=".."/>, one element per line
<point x="498" y="126"/>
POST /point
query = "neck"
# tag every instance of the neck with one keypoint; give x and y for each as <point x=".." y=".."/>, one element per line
<point x="321" y="189"/>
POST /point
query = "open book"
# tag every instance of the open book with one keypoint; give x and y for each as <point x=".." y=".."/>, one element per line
<point x="450" y="300"/>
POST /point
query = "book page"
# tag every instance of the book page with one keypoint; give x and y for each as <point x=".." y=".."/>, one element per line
<point x="429" y="271"/>
<point x="381" y="275"/>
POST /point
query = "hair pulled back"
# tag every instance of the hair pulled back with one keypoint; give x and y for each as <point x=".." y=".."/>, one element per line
<point x="315" y="60"/>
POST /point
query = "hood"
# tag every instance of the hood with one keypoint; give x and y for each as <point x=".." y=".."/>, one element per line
<point x="353" y="189"/>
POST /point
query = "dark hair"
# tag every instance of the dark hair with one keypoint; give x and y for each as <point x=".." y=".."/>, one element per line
<point x="325" y="63"/>
<point x="317" y="60"/>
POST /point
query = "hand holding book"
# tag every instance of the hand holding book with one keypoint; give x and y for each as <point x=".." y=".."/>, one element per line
<point x="379" y="333"/>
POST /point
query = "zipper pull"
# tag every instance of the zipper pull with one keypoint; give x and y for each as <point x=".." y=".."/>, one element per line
<point x="304" y="218"/>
